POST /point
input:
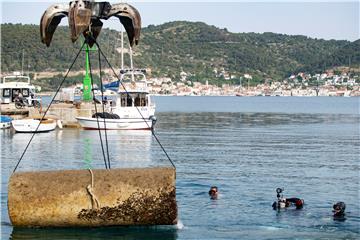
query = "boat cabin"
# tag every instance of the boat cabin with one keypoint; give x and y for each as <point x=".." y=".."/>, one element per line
<point x="13" y="86"/>
<point x="133" y="92"/>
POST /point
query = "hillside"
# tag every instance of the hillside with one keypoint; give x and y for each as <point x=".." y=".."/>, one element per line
<point x="192" y="47"/>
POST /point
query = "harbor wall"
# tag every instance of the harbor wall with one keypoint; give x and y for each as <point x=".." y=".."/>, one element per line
<point x="65" y="112"/>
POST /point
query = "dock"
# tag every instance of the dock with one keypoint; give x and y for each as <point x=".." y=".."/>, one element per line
<point x="11" y="111"/>
<point x="65" y="112"/>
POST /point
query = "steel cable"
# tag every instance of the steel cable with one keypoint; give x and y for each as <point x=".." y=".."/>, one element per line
<point x="103" y="108"/>
<point x="47" y="109"/>
<point x="96" y="113"/>
<point x="128" y="94"/>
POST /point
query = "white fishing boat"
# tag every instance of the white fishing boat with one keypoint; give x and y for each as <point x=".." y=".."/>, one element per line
<point x="133" y="108"/>
<point x="30" y="125"/>
<point x="13" y="86"/>
<point x="5" y="122"/>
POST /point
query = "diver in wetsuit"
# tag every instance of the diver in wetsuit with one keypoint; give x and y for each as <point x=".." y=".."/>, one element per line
<point x="299" y="203"/>
<point x="286" y="202"/>
<point x="339" y="209"/>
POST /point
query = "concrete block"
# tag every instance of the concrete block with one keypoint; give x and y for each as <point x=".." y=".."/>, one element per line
<point x="68" y="198"/>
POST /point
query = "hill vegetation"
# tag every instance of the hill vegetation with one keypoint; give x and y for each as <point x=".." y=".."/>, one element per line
<point x="193" y="47"/>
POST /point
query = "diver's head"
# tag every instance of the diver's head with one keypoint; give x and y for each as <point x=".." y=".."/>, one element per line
<point x="213" y="192"/>
<point x="339" y="209"/>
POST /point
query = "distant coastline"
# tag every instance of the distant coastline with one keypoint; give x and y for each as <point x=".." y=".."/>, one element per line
<point x="250" y="94"/>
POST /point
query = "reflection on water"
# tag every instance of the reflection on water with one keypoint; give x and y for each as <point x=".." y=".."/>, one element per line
<point x="68" y="148"/>
<point x="87" y="153"/>
<point x="120" y="233"/>
<point x="245" y="120"/>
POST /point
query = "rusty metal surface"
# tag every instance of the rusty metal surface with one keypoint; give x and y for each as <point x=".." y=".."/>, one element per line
<point x="79" y="18"/>
<point x="130" y="18"/>
<point x="85" y="17"/>
<point x="50" y="20"/>
<point x="60" y="199"/>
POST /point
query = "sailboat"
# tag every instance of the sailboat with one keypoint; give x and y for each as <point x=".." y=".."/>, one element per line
<point x="31" y="125"/>
<point x="133" y="109"/>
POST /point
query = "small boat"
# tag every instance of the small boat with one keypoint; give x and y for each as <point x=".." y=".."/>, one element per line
<point x="133" y="108"/>
<point x="5" y="122"/>
<point x="30" y="125"/>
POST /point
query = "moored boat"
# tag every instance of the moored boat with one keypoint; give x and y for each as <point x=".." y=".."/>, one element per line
<point x="30" y="125"/>
<point x="133" y="108"/>
<point x="14" y="86"/>
<point x="115" y="124"/>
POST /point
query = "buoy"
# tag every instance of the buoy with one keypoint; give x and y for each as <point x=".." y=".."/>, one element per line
<point x="88" y="198"/>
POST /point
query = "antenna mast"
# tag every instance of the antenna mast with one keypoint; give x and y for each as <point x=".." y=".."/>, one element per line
<point x="122" y="49"/>
<point x="22" y="63"/>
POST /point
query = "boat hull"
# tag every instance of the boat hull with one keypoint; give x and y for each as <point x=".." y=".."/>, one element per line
<point x="30" y="125"/>
<point x="115" y="124"/>
<point x="4" y="125"/>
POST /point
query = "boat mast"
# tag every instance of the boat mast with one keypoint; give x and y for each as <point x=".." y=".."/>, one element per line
<point x="130" y="53"/>
<point x="22" y="63"/>
<point x="122" y="49"/>
<point x="132" y="65"/>
<point x="122" y="45"/>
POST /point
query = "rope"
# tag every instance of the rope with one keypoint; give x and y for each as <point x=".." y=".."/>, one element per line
<point x="47" y="109"/>
<point x="90" y="189"/>
<point x="97" y="117"/>
<point x="127" y="93"/>
<point x="103" y="109"/>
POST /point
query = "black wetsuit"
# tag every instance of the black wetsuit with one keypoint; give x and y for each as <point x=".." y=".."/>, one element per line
<point x="297" y="201"/>
<point x="293" y="200"/>
<point x="339" y="209"/>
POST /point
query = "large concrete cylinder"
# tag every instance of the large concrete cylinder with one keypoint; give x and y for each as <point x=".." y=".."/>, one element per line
<point x="145" y="196"/>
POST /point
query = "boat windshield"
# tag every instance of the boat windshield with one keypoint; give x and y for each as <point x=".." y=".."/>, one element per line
<point x="133" y="82"/>
<point x="134" y="100"/>
<point x="17" y="79"/>
<point x="136" y="77"/>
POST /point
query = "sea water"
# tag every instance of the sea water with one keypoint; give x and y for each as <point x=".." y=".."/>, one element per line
<point x="246" y="146"/>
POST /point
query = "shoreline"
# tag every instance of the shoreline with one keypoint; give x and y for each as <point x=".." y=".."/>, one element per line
<point x="49" y="94"/>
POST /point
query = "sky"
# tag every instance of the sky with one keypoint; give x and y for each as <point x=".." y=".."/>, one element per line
<point x="317" y="19"/>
